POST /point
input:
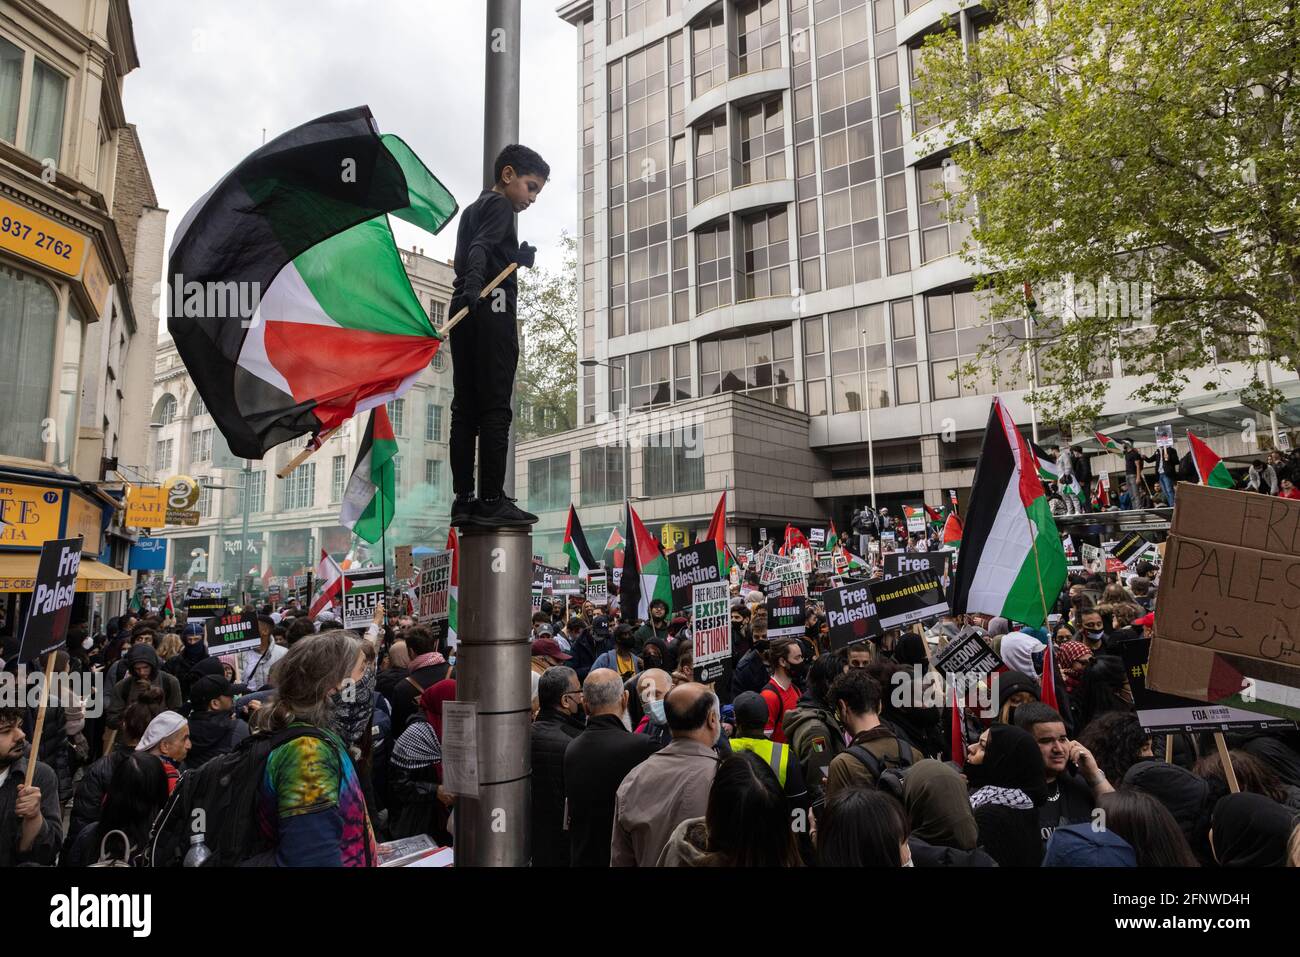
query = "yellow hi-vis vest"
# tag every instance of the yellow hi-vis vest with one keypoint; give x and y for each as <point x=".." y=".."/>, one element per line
<point x="776" y="755"/>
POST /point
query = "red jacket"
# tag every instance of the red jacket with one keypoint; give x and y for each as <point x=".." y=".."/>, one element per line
<point x="779" y="701"/>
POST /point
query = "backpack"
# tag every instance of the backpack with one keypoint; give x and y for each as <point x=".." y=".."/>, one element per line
<point x="223" y="792"/>
<point x="889" y="772"/>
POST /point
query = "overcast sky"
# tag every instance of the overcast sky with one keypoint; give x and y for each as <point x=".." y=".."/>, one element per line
<point x="214" y="73"/>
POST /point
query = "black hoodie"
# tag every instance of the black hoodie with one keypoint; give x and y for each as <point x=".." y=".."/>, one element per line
<point x="124" y="692"/>
<point x="213" y="733"/>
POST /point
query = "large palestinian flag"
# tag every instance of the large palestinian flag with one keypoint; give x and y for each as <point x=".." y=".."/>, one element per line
<point x="1012" y="562"/>
<point x="289" y="303"/>
<point x="371" y="495"/>
<point x="645" y="571"/>
<point x="1210" y="469"/>
<point x="575" y="546"/>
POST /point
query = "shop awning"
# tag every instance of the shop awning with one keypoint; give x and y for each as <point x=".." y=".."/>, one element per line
<point x="18" y="574"/>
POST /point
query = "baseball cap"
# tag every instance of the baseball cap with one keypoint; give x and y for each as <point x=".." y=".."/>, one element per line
<point x="751" y="710"/>
<point x="544" y="629"/>
<point x="549" y="648"/>
<point x="1146" y="621"/>
<point x="600" y="626"/>
<point x="207" y="688"/>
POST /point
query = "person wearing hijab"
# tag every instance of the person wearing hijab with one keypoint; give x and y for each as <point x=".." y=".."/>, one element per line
<point x="1250" y="830"/>
<point x="168" y="738"/>
<point x="944" y="833"/>
<point x="415" y="770"/>
<point x="1073" y="658"/>
<point x="1184" y="795"/>
<point x="1008" y="783"/>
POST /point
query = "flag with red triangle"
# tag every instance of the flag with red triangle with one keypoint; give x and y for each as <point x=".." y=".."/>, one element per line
<point x="832" y="537"/>
<point x="717" y="533"/>
<point x="615" y="545"/>
<point x="1047" y="680"/>
<point x="957" y="732"/>
<point x="330" y="578"/>
<point x="169" y="609"/>
<point x="1102" y="498"/>
<point x="1108" y="443"/>
<point x="1210" y="469"/>
<point x="952" y="531"/>
<point x="645" y="571"/>
<point x="932" y="514"/>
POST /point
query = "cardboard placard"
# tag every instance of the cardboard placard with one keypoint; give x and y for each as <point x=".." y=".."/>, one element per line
<point x="710" y="630"/>
<point x="403" y="562"/>
<point x="851" y="613"/>
<point x="907" y="563"/>
<point x="825" y="563"/>
<point x="302" y="589"/>
<point x="688" y="567"/>
<point x="908" y="598"/>
<point x="816" y="536"/>
<point x="969" y="655"/>
<point x="1164" y="436"/>
<point x="793" y="581"/>
<point x="804" y="557"/>
<point x="915" y="519"/>
<point x="363" y="590"/>
<point x="786" y="615"/>
<point x="53" y="592"/>
<point x="539" y="592"/>
<point x="434" y="590"/>
<point x="772" y="563"/>
<point x="597" y="586"/>
<point x="230" y="633"/>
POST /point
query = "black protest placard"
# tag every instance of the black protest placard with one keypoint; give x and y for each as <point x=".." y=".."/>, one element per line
<point x="53" y="592"/>
<point x="204" y="600"/>
<point x="907" y="563"/>
<point x="851" y="614"/>
<point x="786" y="615"/>
<point x="969" y="654"/>
<point x="231" y="633"/>
<point x="566" y="584"/>
<point x="302" y="589"/>
<point x="688" y="567"/>
<point x="1130" y="548"/>
<point x="908" y="598"/>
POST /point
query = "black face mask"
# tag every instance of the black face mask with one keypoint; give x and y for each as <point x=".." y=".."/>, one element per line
<point x="797" y="672"/>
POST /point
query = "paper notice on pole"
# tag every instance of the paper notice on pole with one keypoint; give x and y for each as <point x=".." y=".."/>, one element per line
<point x="404" y="562"/>
<point x="460" y="748"/>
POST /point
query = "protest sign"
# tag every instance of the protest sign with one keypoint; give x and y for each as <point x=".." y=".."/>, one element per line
<point x="762" y="535"/>
<point x="302" y="589"/>
<point x="816" y="536"/>
<point x="906" y="563"/>
<point x="226" y="634"/>
<point x="1164" y="436"/>
<point x="786" y="615"/>
<point x="539" y="592"/>
<point x="566" y="585"/>
<point x="1228" y="630"/>
<point x="915" y="519"/>
<point x="1129" y="549"/>
<point x="793" y="581"/>
<point x="597" y="586"/>
<point x="688" y="567"/>
<point x="403" y="562"/>
<point x="908" y="598"/>
<point x="53" y="591"/>
<point x="710" y="630"/>
<point x="1090" y="553"/>
<point x="772" y="563"/>
<point x="888" y="541"/>
<point x="616" y="576"/>
<point x="968" y="655"/>
<point x="805" y="559"/>
<point x="825" y="563"/>
<point x="363" y="589"/>
<point x="851" y="614"/>
<point x="203" y="600"/>
<point x="460" y="747"/>
<point x="434" y="590"/>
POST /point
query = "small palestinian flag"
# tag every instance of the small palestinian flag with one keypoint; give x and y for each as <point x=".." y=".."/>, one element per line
<point x="1012" y="557"/>
<point x="615" y="545"/>
<point x="1102" y="498"/>
<point x="1108" y="443"/>
<point x="1047" y="680"/>
<point x="717" y="533"/>
<point x="288" y="302"/>
<point x="932" y="514"/>
<point x="136" y="605"/>
<point x="169" y="609"/>
<point x="952" y="531"/>
<point x="371" y="495"/>
<point x="1210" y="469"/>
<point x="575" y="546"/>
<point x="1048" y="471"/>
<point x="832" y="538"/>
<point x="453" y="604"/>
<point x="645" y="571"/>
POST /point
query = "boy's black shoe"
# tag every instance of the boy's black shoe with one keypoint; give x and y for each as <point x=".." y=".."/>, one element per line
<point x="462" y="509"/>
<point x="501" y="512"/>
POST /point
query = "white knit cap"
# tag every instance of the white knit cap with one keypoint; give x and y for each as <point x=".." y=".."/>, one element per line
<point x="160" y="728"/>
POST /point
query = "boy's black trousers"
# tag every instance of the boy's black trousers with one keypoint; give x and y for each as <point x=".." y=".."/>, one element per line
<point x="484" y="356"/>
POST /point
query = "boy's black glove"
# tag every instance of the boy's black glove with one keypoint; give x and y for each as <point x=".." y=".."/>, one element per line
<point x="526" y="256"/>
<point x="471" y="295"/>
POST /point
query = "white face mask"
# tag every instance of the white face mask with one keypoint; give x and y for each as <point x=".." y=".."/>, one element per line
<point x="88" y="643"/>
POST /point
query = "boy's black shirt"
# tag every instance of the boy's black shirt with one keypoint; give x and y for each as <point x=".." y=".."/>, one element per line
<point x="486" y="243"/>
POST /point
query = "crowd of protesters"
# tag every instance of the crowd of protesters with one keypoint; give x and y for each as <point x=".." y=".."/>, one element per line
<point x="801" y="755"/>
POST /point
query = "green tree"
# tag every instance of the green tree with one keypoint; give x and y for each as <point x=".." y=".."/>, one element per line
<point x="547" y="380"/>
<point x="1148" y="141"/>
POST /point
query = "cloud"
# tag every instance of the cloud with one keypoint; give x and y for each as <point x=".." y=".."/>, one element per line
<point x="213" y="75"/>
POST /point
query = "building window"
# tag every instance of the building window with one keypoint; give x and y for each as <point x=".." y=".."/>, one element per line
<point x="45" y="112"/>
<point x="165" y="412"/>
<point x="762" y="143"/>
<point x="711" y="161"/>
<point x="433" y="475"/>
<point x="197" y="406"/>
<point x="440" y="361"/>
<point x="956" y="329"/>
<point x="11" y="83"/>
<point x="617" y="383"/>
<point x="814" y="364"/>
<point x="433" y="423"/>
<point x="338" y="477"/>
<point x="397" y="416"/>
<point x="682" y="385"/>
<point x="588" y="396"/>
<point x="437" y="312"/>
<point x="201" y="447"/>
<point x="256" y="493"/>
<point x="709" y="45"/>
<point x="162" y="456"/>
<point x="29" y="313"/>
<point x="651" y="378"/>
<point x="300" y="487"/>
<point x="713" y="268"/>
<point x="602" y="475"/>
<point x="205" y="501"/>
<point x="765" y="243"/>
<point x="939" y="236"/>
<point x="397" y="472"/>
<point x="548" y="483"/>
<point x="759" y="36"/>
<point x="760" y="364"/>
<point x="673" y="462"/>
<point x="903" y="334"/>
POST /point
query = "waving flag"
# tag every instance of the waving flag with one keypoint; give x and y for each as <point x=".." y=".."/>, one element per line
<point x="832" y="537"/>
<point x="289" y="303"/>
<point x="1102" y="498"/>
<point x="717" y="533"/>
<point x="645" y="571"/>
<point x="330" y="577"/>
<point x="1210" y="469"/>
<point x="453" y="605"/>
<point x="576" y="547"/>
<point x="1048" y="470"/>
<point x="1108" y="443"/>
<point x="794" y="538"/>
<point x="169" y="610"/>
<point x="957" y="732"/>
<point x="371" y="495"/>
<point x="952" y="531"/>
<point x="1012" y="557"/>
<point x="1047" y="680"/>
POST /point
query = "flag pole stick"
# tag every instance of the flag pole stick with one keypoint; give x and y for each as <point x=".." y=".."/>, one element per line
<point x="40" y="718"/>
<point x="319" y="440"/>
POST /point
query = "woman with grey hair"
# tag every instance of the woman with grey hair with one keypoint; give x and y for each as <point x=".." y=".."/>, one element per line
<point x="311" y="808"/>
